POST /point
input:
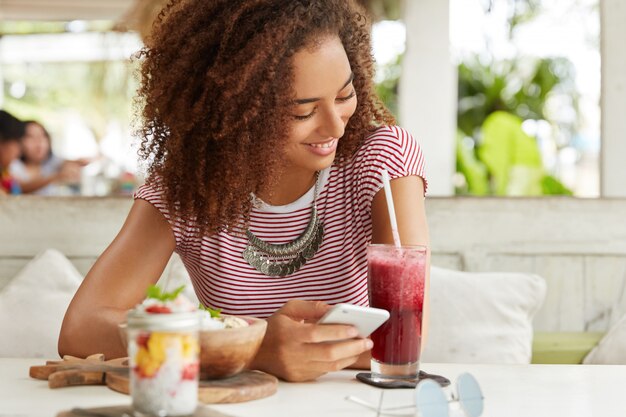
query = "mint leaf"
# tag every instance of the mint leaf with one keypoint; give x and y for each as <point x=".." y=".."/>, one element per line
<point x="214" y="312"/>
<point x="172" y="295"/>
<point x="154" y="291"/>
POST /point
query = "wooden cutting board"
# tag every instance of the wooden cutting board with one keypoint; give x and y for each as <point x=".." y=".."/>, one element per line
<point x="246" y="386"/>
<point x="71" y="371"/>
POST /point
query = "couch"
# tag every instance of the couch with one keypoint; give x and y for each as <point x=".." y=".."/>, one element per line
<point x="492" y="246"/>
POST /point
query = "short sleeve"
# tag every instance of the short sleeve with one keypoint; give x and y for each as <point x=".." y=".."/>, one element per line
<point x="153" y="193"/>
<point x="391" y="148"/>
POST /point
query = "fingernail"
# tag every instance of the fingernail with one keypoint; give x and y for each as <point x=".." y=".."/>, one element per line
<point x="369" y="344"/>
<point x="353" y="332"/>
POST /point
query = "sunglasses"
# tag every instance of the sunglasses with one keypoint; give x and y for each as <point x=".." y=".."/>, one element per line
<point x="432" y="401"/>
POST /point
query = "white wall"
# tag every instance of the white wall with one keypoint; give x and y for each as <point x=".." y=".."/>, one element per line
<point x="427" y="92"/>
<point x="613" y="49"/>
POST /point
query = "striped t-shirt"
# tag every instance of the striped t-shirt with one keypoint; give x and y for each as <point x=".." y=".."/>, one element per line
<point x="338" y="271"/>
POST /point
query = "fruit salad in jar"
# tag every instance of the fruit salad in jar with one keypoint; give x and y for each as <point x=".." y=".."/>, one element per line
<point x="163" y="352"/>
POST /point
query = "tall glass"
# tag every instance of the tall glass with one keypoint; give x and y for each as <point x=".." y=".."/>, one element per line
<point x="396" y="279"/>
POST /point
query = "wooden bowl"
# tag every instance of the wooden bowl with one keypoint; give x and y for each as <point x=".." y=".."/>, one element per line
<point x="226" y="352"/>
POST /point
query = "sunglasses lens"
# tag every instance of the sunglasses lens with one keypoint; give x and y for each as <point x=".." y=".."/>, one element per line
<point x="430" y="400"/>
<point x="470" y="395"/>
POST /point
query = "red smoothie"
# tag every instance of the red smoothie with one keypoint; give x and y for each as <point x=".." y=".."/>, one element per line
<point x="396" y="283"/>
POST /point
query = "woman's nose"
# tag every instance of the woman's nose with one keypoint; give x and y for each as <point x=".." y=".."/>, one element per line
<point x="332" y="123"/>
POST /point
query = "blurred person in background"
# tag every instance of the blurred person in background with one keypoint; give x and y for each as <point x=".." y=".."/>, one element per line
<point x="11" y="133"/>
<point x="38" y="170"/>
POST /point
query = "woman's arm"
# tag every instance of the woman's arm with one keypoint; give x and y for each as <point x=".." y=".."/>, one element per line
<point x="408" y="198"/>
<point x="69" y="171"/>
<point x="117" y="282"/>
<point x="36" y="184"/>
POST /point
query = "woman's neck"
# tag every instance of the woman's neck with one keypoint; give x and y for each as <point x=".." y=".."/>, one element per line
<point x="289" y="187"/>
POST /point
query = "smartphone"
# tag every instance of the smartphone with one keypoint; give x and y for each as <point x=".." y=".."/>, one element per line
<point x="365" y="319"/>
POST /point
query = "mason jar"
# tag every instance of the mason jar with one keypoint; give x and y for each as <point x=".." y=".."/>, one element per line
<point x="163" y="353"/>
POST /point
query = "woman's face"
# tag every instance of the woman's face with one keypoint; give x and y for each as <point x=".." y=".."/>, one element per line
<point x="35" y="144"/>
<point x="325" y="102"/>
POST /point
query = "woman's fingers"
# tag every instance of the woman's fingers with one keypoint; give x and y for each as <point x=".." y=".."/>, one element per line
<point x="301" y="310"/>
<point x="336" y="365"/>
<point x="317" y="333"/>
<point x="337" y="351"/>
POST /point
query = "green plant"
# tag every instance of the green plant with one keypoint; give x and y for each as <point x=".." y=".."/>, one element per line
<point x="495" y="155"/>
<point x="508" y="163"/>
<point x="387" y="87"/>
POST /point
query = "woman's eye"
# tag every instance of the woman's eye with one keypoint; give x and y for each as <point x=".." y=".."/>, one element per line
<point x="348" y="97"/>
<point x="340" y="99"/>
<point x="306" y="116"/>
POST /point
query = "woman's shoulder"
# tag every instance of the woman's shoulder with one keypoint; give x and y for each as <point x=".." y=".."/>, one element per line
<point x="389" y="134"/>
<point x="392" y="148"/>
<point x="152" y="190"/>
<point x="387" y="141"/>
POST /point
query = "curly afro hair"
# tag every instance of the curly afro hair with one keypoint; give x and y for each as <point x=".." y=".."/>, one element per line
<point x="217" y="103"/>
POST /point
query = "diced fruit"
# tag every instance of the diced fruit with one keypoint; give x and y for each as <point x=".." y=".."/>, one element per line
<point x="142" y="339"/>
<point x="190" y="371"/>
<point x="158" y="309"/>
<point x="147" y="366"/>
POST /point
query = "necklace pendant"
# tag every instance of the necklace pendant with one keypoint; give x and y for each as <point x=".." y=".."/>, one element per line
<point x="270" y="259"/>
<point x="274" y="269"/>
<point x="265" y="267"/>
<point x="309" y="251"/>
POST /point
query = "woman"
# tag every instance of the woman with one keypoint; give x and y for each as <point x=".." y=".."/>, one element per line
<point x="11" y="132"/>
<point x="262" y="128"/>
<point x="38" y="169"/>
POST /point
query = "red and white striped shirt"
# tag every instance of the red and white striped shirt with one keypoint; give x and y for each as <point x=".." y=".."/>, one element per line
<point x="338" y="271"/>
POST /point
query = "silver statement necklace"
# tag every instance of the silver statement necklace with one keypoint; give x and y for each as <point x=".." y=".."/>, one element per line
<point x="287" y="258"/>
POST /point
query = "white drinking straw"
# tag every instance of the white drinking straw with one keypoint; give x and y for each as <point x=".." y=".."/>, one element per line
<point x="390" y="208"/>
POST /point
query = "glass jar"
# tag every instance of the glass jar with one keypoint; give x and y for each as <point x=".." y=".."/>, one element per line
<point x="163" y="352"/>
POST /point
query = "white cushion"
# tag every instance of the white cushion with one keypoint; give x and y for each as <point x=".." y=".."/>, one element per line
<point x="33" y="304"/>
<point x="612" y="348"/>
<point x="176" y="275"/>
<point x="482" y="317"/>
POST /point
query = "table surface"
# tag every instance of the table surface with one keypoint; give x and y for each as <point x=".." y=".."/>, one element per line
<point x="509" y="390"/>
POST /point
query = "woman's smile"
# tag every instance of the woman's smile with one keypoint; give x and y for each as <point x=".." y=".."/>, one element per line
<point x="324" y="148"/>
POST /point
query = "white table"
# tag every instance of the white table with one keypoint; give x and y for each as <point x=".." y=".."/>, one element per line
<point x="509" y="390"/>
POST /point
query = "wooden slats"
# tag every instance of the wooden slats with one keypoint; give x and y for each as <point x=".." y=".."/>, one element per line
<point x="578" y="246"/>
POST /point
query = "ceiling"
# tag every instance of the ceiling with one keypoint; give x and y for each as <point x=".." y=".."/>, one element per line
<point x="64" y="10"/>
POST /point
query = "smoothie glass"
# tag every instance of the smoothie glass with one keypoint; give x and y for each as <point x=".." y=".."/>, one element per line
<point x="396" y="279"/>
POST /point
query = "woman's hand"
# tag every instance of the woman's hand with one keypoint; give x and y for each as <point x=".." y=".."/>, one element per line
<point x="69" y="172"/>
<point x="297" y="349"/>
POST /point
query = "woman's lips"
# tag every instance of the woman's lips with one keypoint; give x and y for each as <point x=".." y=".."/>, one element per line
<point x="323" y="148"/>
